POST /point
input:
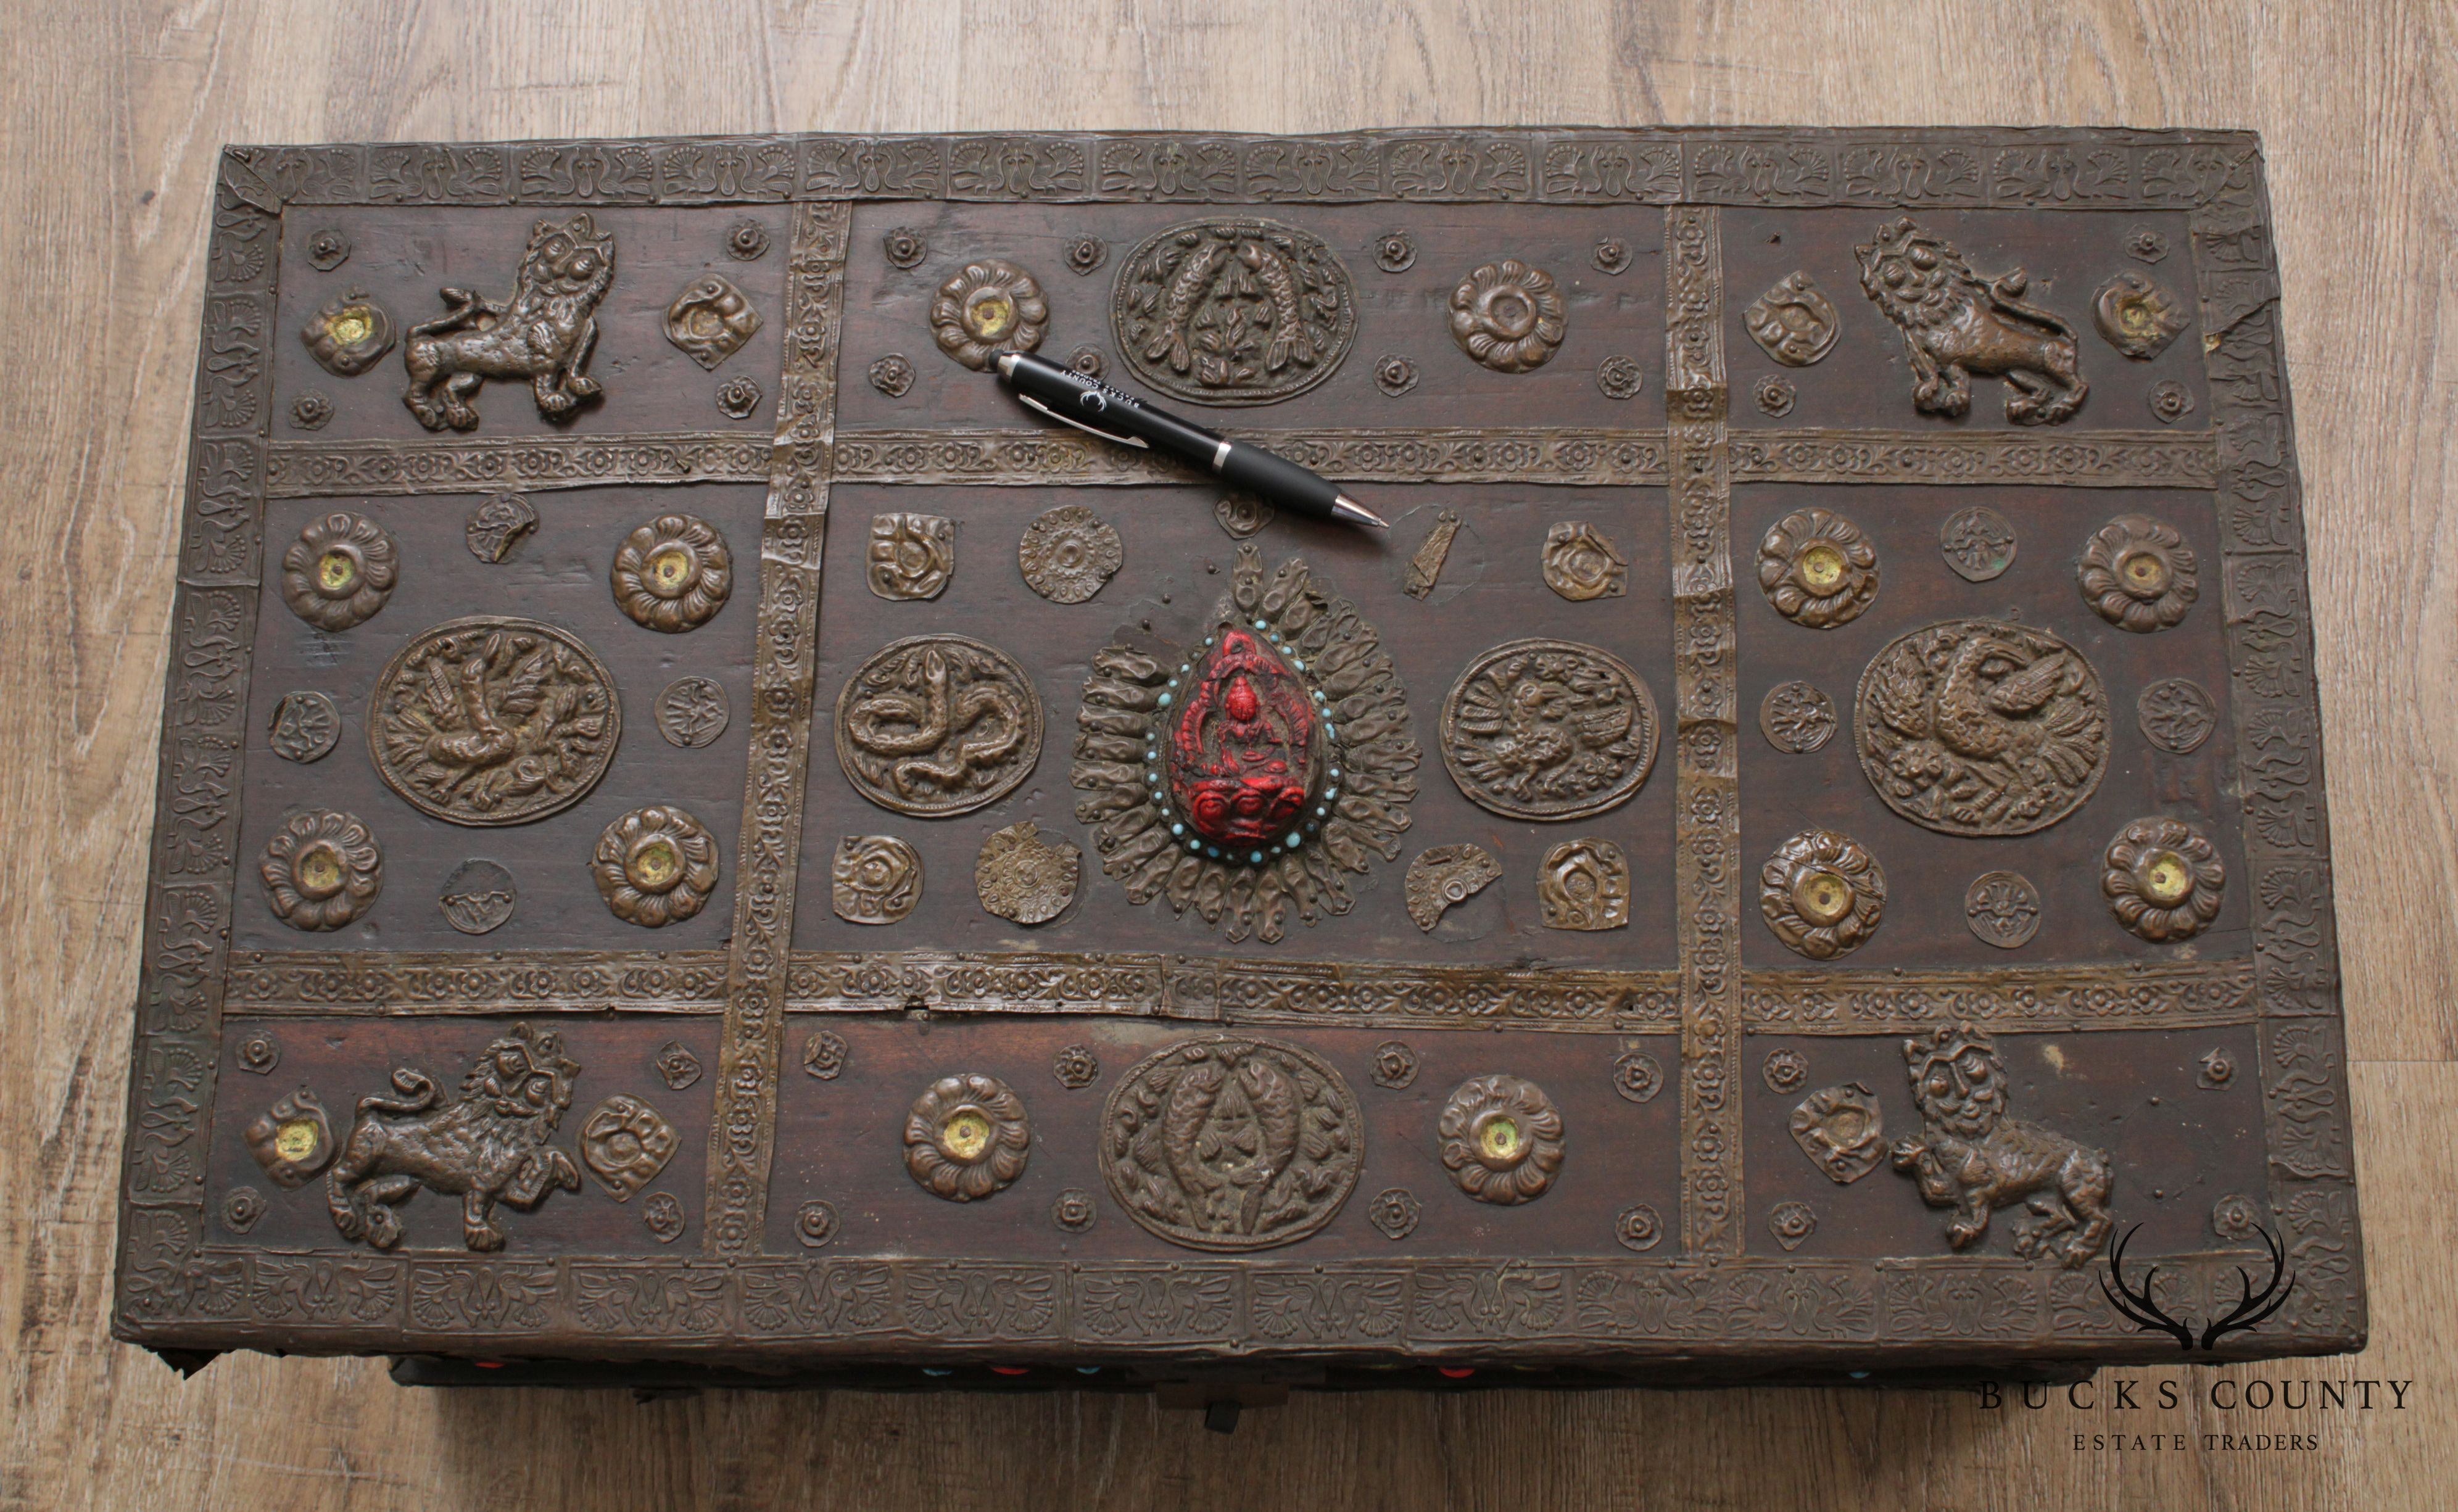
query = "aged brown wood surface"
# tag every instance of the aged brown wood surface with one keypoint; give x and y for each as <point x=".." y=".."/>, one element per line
<point x="116" y="117"/>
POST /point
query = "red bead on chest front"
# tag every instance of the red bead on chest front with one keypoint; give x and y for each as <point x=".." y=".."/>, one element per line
<point x="1243" y="748"/>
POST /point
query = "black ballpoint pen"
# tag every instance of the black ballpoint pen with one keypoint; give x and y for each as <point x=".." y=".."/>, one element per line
<point x="1090" y="404"/>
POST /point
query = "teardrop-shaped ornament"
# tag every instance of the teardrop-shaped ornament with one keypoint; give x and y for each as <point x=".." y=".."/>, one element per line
<point x="1245" y="754"/>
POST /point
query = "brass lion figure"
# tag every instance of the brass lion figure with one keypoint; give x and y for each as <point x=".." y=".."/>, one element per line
<point x="544" y="333"/>
<point x="1970" y="1156"/>
<point x="488" y="1145"/>
<point x="1956" y="324"/>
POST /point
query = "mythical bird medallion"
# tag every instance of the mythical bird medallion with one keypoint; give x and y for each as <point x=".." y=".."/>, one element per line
<point x="1232" y="1144"/>
<point x="938" y="725"/>
<point x="1980" y="727"/>
<point x="490" y="720"/>
<point x="1549" y="730"/>
<point x="1248" y="776"/>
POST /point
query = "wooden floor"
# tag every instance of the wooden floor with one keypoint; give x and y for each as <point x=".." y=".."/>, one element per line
<point x="112" y="111"/>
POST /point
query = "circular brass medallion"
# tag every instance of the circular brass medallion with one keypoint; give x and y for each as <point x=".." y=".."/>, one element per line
<point x="1233" y="311"/>
<point x="1501" y="1139"/>
<point x="1231" y="1143"/>
<point x="2176" y="715"/>
<point x="1638" y="1076"/>
<point x="322" y="870"/>
<point x="966" y="1137"/>
<point x="489" y="720"/>
<point x="1076" y="1066"/>
<point x="1822" y="894"/>
<point x="1068" y="553"/>
<point x="1818" y="569"/>
<point x="1394" y="1213"/>
<point x="1509" y="315"/>
<point x="340" y="571"/>
<point x="693" y="712"/>
<point x="747" y="241"/>
<point x="1620" y="377"/>
<point x="2163" y="879"/>
<point x="2002" y="909"/>
<point x="1785" y="1070"/>
<point x="1982" y="727"/>
<point x="1978" y="542"/>
<point x="655" y="866"/>
<point x="1638" y="1229"/>
<point x="892" y="375"/>
<point x="2169" y="401"/>
<point x="307" y="726"/>
<point x="1797" y="717"/>
<point x="673" y="573"/>
<point x="1395" y="1065"/>
<point x="1075" y="1210"/>
<point x="2139" y="574"/>
<point x="986" y="308"/>
<point x="1549" y="730"/>
<point x="478" y="898"/>
<point x="937" y="725"/>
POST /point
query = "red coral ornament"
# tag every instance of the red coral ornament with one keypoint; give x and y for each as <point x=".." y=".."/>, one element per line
<point x="1244" y="749"/>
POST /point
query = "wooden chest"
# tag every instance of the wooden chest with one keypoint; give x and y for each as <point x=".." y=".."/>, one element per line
<point x="691" y="829"/>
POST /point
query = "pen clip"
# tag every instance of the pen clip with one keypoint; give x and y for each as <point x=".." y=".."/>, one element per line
<point x="1070" y="419"/>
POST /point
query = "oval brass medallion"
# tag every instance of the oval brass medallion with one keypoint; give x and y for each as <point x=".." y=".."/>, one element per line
<point x="935" y="725"/>
<point x="489" y="720"/>
<point x="1982" y="727"/>
<point x="1233" y="311"/>
<point x="1549" y="730"/>
<point x="1232" y="1144"/>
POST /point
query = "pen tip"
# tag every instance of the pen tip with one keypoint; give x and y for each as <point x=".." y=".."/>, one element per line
<point x="1007" y="364"/>
<point x="1345" y="507"/>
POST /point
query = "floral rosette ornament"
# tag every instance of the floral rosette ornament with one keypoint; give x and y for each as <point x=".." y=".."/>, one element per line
<point x="2139" y="574"/>
<point x="1509" y="315"/>
<point x="1822" y="894"/>
<point x="2164" y="880"/>
<point x="655" y="866"/>
<point x="673" y="573"/>
<point x="1818" y="569"/>
<point x="322" y="870"/>
<point x="340" y="571"/>
<point x="986" y="308"/>
<point x="1249" y="775"/>
<point x="965" y="1137"/>
<point x="1501" y="1139"/>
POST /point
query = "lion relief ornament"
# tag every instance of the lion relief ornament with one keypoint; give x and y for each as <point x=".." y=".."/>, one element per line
<point x="1249" y="774"/>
